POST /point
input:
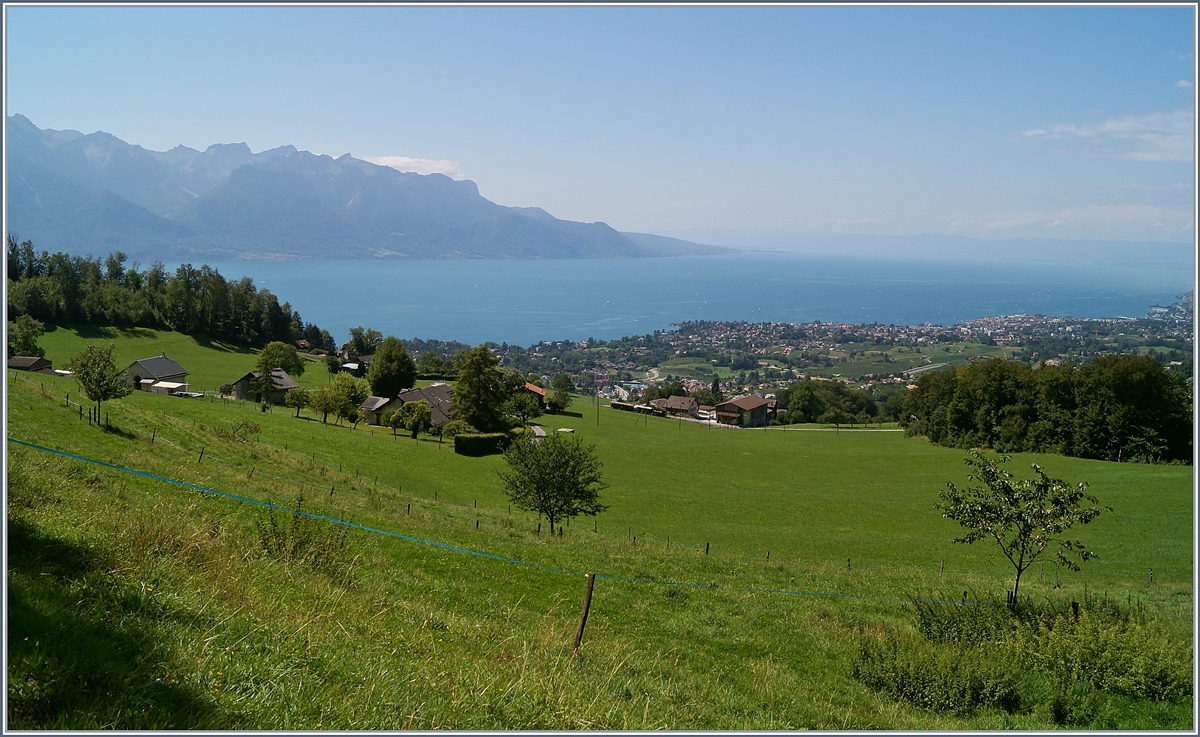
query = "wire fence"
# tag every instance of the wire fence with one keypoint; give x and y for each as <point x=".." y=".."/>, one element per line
<point x="504" y="559"/>
<point x="634" y="536"/>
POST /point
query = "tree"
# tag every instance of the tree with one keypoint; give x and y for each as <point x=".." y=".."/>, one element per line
<point x="557" y="477"/>
<point x="393" y="419"/>
<point x="392" y="370"/>
<point x="282" y="356"/>
<point x="416" y="416"/>
<point x="325" y="400"/>
<point x="559" y="401"/>
<point x="523" y="407"/>
<point x="562" y="383"/>
<point x="1023" y="517"/>
<point x="363" y="341"/>
<point x="429" y="362"/>
<point x="98" y="375"/>
<point x="296" y="397"/>
<point x="23" y="334"/>
<point x="333" y="364"/>
<point x="479" y="395"/>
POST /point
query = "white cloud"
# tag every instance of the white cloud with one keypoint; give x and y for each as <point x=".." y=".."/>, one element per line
<point x="1150" y="137"/>
<point x="419" y="166"/>
<point x="1183" y="83"/>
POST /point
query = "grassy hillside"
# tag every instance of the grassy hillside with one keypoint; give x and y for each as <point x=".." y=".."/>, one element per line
<point x="211" y="363"/>
<point x="201" y="613"/>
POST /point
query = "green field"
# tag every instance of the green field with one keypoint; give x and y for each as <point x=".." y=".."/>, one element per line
<point x="392" y="633"/>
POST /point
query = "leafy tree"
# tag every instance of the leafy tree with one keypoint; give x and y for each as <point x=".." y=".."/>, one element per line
<point x="479" y="395"/>
<point x="98" y="375"/>
<point x="562" y="383"/>
<point x="23" y="334"/>
<point x="416" y="416"/>
<point x="325" y="400"/>
<point x="706" y="396"/>
<point x="364" y="341"/>
<point x="352" y="390"/>
<point x="559" y="401"/>
<point x="536" y="380"/>
<point x="333" y="364"/>
<point x="281" y="355"/>
<point x="455" y="427"/>
<point x="429" y="362"/>
<point x="557" y="477"/>
<point x="296" y="397"/>
<point x="522" y="406"/>
<point x="1023" y="517"/>
<point x="393" y="370"/>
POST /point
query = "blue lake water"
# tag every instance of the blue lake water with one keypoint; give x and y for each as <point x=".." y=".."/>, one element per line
<point x="524" y="302"/>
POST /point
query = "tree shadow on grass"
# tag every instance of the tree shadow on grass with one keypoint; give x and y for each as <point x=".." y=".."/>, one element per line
<point x="75" y="665"/>
<point x="221" y="345"/>
<point x="100" y="332"/>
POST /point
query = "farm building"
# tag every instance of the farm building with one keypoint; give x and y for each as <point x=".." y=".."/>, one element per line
<point x="750" y="411"/>
<point x="29" y="363"/>
<point x="538" y="392"/>
<point x="146" y="372"/>
<point x="244" y="389"/>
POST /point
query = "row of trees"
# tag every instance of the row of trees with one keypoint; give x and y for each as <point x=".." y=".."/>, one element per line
<point x="1116" y="408"/>
<point x="76" y="290"/>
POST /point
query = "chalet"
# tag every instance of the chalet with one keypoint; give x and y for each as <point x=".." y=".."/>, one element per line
<point x="750" y="411"/>
<point x="29" y="363"/>
<point x="439" y="396"/>
<point x="244" y="388"/>
<point x="682" y="406"/>
<point x="146" y="372"/>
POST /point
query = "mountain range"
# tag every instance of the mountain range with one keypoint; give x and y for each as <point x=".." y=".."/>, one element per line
<point x="95" y="193"/>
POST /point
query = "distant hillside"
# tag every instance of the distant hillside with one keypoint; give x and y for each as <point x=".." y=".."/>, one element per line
<point x="96" y="193"/>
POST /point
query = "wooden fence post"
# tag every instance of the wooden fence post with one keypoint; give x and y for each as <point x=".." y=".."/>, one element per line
<point x="587" y="605"/>
<point x="706" y="548"/>
<point x="201" y="454"/>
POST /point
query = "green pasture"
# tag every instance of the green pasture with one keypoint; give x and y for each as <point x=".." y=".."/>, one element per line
<point x="139" y="604"/>
<point x="870" y="358"/>
<point x="210" y="363"/>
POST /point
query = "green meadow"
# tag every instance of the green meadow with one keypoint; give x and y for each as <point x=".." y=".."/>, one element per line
<point x="197" y="614"/>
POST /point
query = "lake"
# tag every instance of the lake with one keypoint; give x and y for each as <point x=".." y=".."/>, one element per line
<point x="527" y="301"/>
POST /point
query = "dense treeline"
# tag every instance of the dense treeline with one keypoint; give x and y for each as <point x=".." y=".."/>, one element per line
<point x="833" y="401"/>
<point x="75" y="290"/>
<point x="1116" y="408"/>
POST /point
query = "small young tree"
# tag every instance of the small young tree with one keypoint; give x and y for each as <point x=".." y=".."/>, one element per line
<point x="23" y="334"/>
<point x="1023" y="517"/>
<point x="296" y="397"/>
<point x="98" y="375"/>
<point x="325" y="400"/>
<point x="557" y="477"/>
<point x="416" y="416"/>
<point x="393" y="419"/>
<point x="333" y="364"/>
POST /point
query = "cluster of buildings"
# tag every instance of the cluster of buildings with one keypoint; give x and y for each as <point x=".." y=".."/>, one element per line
<point x="752" y="410"/>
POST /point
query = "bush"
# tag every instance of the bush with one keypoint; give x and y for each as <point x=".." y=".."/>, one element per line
<point x="942" y="678"/>
<point x="480" y="444"/>
<point x="455" y="427"/>
<point x="226" y="389"/>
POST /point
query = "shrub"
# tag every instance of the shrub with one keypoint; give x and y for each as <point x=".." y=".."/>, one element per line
<point x="454" y="427"/>
<point x="480" y="444"/>
<point x="943" y="678"/>
<point x="226" y="389"/>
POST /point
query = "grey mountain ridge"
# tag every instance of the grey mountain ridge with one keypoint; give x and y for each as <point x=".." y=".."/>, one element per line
<point x="95" y="193"/>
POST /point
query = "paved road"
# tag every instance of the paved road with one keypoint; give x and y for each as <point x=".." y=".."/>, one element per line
<point x="539" y="431"/>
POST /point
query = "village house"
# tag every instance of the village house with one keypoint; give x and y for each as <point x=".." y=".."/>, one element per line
<point x="245" y="390"/>
<point x="677" y="405"/>
<point x="749" y="411"/>
<point x="159" y="374"/>
<point x="538" y="392"/>
<point x="439" y="396"/>
<point x="29" y="363"/>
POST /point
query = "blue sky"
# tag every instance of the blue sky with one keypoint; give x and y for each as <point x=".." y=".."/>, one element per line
<point x="710" y="123"/>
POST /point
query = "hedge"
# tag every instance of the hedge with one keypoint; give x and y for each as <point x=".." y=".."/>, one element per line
<point x="480" y="444"/>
